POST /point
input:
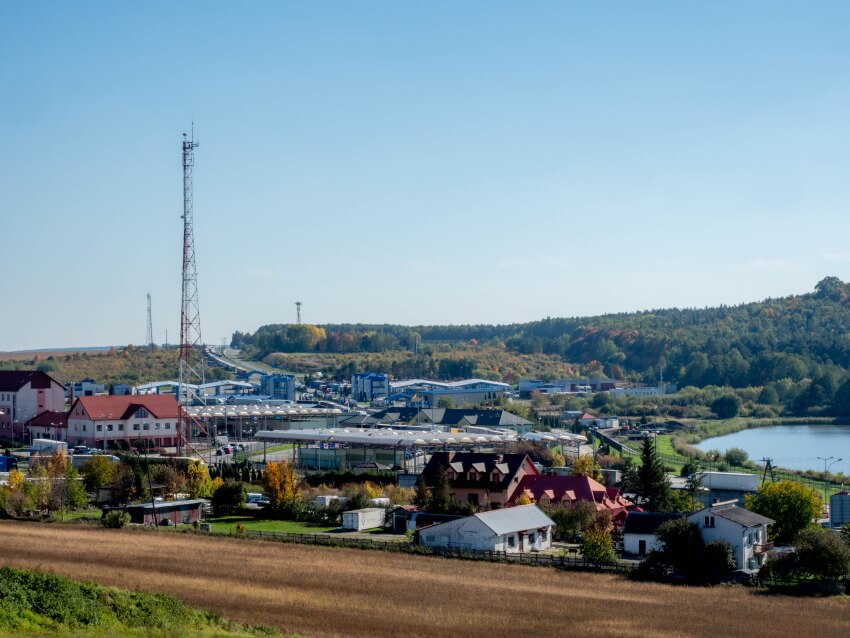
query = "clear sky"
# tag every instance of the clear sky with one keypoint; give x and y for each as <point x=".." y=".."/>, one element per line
<point x="400" y="162"/>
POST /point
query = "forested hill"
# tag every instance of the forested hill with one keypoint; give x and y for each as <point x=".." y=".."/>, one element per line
<point x="796" y="337"/>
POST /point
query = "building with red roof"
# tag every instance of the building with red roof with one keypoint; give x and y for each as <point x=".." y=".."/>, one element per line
<point x="122" y="422"/>
<point x="550" y="489"/>
<point x="24" y="394"/>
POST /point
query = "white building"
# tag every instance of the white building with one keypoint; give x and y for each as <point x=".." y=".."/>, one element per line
<point x="650" y="391"/>
<point x="745" y="531"/>
<point x="602" y="422"/>
<point x="24" y="394"/>
<point x="121" y="422"/>
<point x="640" y="531"/>
<point x="523" y="528"/>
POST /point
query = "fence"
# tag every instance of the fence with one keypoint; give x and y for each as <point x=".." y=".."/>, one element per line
<point x="533" y="558"/>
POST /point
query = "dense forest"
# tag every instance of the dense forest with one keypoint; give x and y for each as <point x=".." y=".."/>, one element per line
<point x="802" y="339"/>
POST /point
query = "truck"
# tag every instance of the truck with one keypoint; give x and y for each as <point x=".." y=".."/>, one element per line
<point x="48" y="446"/>
<point x="8" y="463"/>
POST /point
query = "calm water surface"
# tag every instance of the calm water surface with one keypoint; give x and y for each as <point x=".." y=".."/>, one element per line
<point x="796" y="447"/>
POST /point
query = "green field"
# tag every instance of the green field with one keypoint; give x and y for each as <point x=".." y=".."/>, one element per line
<point x="227" y="525"/>
<point x="34" y="603"/>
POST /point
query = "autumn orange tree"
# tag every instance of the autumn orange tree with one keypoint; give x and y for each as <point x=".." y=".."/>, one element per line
<point x="280" y="482"/>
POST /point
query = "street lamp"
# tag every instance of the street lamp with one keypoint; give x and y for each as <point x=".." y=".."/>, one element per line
<point x="826" y="465"/>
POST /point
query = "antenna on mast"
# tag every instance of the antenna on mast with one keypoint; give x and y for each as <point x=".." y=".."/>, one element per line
<point x="298" y="311"/>
<point x="150" y="324"/>
<point x="191" y="344"/>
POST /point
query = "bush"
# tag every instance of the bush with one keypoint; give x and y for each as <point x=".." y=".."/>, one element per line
<point x="115" y="519"/>
<point x="736" y="456"/>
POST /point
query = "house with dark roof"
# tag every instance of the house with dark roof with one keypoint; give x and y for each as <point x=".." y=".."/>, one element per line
<point x="640" y="531"/>
<point x="552" y="489"/>
<point x="524" y="528"/>
<point x="24" y="394"/>
<point x="122" y="422"/>
<point x="745" y="531"/>
<point x="480" y="478"/>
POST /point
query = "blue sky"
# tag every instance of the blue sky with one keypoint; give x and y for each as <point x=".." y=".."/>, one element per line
<point x="399" y="162"/>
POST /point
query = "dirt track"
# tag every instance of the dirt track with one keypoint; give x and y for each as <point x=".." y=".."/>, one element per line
<point x="314" y="591"/>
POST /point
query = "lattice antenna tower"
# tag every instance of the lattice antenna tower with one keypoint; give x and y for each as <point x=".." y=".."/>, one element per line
<point x="298" y="311"/>
<point x="149" y="337"/>
<point x="191" y="345"/>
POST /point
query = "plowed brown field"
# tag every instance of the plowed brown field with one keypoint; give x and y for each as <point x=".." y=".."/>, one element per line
<point x="315" y="591"/>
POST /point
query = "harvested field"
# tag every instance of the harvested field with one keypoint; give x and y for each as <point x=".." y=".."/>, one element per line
<point x="317" y="591"/>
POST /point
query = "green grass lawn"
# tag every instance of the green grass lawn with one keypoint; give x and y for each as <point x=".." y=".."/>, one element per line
<point x="227" y="525"/>
<point x="69" y="517"/>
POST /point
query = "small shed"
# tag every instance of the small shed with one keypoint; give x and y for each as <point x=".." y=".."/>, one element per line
<point x="185" y="511"/>
<point x="366" y="518"/>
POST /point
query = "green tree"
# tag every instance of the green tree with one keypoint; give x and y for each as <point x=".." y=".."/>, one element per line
<point x="768" y="396"/>
<point x="736" y="456"/>
<point x="681" y="543"/>
<point x="73" y="492"/>
<point x="97" y="472"/>
<point x="228" y="498"/>
<point x="586" y="466"/>
<point x="597" y="547"/>
<point x="422" y="497"/>
<point x="821" y="554"/>
<point x="198" y="479"/>
<point x="572" y="519"/>
<point x="716" y="561"/>
<point x="441" y="499"/>
<point x="792" y="505"/>
<point x="727" y="406"/>
<point x="653" y="488"/>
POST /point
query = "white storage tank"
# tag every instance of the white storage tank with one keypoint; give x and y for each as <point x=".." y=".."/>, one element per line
<point x="366" y="518"/>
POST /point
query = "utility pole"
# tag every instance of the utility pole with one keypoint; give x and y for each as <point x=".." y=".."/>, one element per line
<point x="191" y="344"/>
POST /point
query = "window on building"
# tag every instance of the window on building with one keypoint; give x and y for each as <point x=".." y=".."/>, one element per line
<point x="146" y="426"/>
<point x="167" y="426"/>
<point x="156" y="426"/>
<point x="142" y="413"/>
<point x="120" y="427"/>
<point x="109" y="427"/>
<point x="84" y="427"/>
<point x="99" y="427"/>
<point x="709" y="521"/>
<point x="135" y="426"/>
<point x="511" y="541"/>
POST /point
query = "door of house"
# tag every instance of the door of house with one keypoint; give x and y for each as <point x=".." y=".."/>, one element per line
<point x="642" y="548"/>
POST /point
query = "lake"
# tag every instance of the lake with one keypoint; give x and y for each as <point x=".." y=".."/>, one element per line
<point x="795" y="447"/>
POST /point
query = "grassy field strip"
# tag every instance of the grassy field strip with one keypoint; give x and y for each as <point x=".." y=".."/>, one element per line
<point x="316" y="591"/>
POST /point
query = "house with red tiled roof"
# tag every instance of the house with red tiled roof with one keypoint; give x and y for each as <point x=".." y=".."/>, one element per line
<point x="24" y="394"/>
<point x="550" y="489"/>
<point x="480" y="478"/>
<point x="49" y="425"/>
<point x="122" y="422"/>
